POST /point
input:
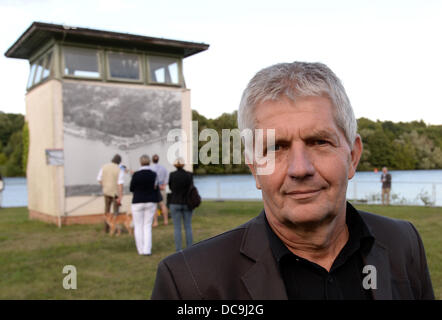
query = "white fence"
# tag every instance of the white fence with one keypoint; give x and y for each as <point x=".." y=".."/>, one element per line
<point x="242" y="187"/>
<point x="423" y="193"/>
<point x="402" y="193"/>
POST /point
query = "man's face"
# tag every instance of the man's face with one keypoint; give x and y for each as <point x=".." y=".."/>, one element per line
<point x="313" y="161"/>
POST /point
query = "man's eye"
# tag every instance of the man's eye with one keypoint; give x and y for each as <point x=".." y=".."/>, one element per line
<point x="318" y="142"/>
<point x="321" y="141"/>
<point x="274" y="148"/>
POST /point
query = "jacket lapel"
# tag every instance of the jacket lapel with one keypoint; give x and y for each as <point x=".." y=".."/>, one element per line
<point x="262" y="280"/>
<point x="378" y="257"/>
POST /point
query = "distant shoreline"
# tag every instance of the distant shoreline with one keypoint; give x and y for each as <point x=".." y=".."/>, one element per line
<point x="239" y="174"/>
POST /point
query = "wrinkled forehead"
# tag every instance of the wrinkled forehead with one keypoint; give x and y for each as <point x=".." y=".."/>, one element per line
<point x="257" y="109"/>
<point x="263" y="109"/>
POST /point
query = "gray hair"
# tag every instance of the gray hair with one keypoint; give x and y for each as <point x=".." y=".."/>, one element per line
<point x="144" y="160"/>
<point x="297" y="79"/>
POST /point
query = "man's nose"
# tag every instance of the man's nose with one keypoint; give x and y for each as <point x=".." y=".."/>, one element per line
<point x="300" y="165"/>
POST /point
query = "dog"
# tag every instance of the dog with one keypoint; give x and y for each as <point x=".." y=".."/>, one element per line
<point x="115" y="223"/>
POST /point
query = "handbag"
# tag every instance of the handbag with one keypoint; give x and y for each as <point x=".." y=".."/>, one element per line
<point x="193" y="197"/>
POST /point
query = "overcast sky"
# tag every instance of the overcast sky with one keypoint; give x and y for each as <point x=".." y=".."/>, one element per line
<point x="388" y="54"/>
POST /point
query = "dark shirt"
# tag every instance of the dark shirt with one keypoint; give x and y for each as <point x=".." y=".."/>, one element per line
<point x="179" y="183"/>
<point x="143" y="187"/>
<point x="305" y="280"/>
<point x="386" y="181"/>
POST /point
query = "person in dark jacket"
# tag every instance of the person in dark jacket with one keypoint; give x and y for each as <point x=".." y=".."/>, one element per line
<point x="386" y="186"/>
<point x="144" y="186"/>
<point x="179" y="183"/>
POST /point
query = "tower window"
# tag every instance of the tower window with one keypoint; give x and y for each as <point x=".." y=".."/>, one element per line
<point x="163" y="70"/>
<point x="81" y="62"/>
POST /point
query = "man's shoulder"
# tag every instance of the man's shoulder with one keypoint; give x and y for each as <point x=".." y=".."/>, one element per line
<point x="208" y="250"/>
<point x="110" y="166"/>
<point x="145" y="172"/>
<point x="377" y="220"/>
<point x="178" y="173"/>
<point x="226" y="239"/>
<point x="386" y="230"/>
<point x="400" y="243"/>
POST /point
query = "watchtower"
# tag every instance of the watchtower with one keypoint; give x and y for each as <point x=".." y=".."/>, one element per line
<point x="90" y="95"/>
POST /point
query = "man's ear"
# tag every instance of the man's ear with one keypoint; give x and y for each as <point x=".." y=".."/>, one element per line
<point x="355" y="156"/>
<point x="253" y="170"/>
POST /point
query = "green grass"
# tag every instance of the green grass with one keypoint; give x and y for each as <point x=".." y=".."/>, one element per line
<point x="33" y="254"/>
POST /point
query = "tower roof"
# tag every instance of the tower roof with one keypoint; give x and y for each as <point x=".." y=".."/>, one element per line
<point x="40" y="33"/>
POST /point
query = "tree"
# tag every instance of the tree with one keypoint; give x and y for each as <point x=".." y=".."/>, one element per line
<point x="224" y="121"/>
<point x="14" y="154"/>
<point x="11" y="146"/>
<point x="381" y="153"/>
<point x="9" y="123"/>
<point x="25" y="135"/>
<point x="402" y="145"/>
<point x="427" y="155"/>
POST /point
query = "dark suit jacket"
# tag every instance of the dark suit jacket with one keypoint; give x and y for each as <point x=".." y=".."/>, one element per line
<point x="239" y="264"/>
<point x="179" y="183"/>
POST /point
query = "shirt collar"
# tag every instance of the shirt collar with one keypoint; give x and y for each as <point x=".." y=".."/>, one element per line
<point x="360" y="236"/>
<point x="358" y="230"/>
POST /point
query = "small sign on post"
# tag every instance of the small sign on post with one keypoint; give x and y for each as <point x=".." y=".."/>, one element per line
<point x="54" y="157"/>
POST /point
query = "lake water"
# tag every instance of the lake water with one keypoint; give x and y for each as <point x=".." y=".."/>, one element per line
<point x="15" y="193"/>
<point x="408" y="187"/>
<point x="414" y="187"/>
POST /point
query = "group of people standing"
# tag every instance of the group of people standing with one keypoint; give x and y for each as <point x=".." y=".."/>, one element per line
<point x="148" y="185"/>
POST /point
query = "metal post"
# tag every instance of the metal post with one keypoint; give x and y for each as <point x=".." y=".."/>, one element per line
<point x="218" y="190"/>
<point x="355" y="190"/>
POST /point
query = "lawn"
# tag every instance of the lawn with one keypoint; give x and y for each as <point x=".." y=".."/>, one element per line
<point x="33" y="253"/>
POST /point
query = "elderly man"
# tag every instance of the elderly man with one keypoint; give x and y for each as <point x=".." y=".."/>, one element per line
<point x="308" y="242"/>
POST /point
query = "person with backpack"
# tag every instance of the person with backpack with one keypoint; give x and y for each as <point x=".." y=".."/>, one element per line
<point x="180" y="182"/>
